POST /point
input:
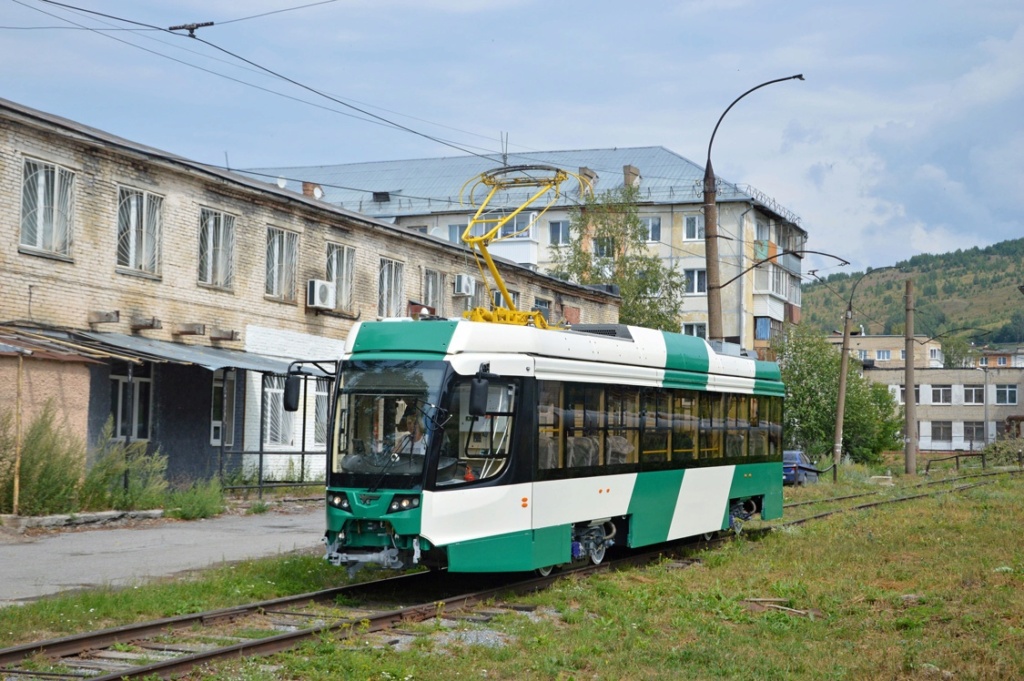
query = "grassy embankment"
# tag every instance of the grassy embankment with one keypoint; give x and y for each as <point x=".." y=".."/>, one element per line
<point x="932" y="588"/>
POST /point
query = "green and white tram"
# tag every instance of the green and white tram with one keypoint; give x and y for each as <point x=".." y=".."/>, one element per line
<point x="489" y="447"/>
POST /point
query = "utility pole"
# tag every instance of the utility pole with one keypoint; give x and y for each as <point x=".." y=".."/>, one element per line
<point x="910" y="429"/>
<point x="711" y="225"/>
<point x="844" y="363"/>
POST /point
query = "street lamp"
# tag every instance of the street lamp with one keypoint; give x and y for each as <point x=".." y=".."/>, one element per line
<point x="711" y="224"/>
<point x="837" y="447"/>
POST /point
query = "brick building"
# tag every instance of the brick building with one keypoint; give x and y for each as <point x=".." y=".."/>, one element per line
<point x="175" y="294"/>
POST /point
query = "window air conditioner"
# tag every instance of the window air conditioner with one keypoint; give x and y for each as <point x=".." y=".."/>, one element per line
<point x="464" y="285"/>
<point x="320" y="294"/>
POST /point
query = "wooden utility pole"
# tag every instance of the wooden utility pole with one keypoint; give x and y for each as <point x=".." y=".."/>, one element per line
<point x="910" y="429"/>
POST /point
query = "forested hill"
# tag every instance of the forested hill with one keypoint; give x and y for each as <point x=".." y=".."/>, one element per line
<point x="973" y="294"/>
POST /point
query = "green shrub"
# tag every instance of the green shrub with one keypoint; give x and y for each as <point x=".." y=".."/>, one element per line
<point x="124" y="476"/>
<point x="201" y="500"/>
<point x="52" y="463"/>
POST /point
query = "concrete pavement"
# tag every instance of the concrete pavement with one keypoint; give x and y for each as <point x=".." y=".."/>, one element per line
<point x="33" y="565"/>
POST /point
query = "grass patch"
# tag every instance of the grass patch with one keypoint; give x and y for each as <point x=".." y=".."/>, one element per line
<point x="902" y="592"/>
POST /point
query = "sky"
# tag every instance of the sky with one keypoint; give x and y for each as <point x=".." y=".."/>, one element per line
<point x="906" y="136"/>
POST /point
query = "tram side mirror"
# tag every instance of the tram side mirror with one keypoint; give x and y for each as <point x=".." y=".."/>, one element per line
<point x="478" y="388"/>
<point x="292" y="387"/>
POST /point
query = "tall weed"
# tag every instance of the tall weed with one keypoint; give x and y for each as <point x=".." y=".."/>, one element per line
<point x="124" y="477"/>
<point x="52" y="464"/>
<point x="200" y="500"/>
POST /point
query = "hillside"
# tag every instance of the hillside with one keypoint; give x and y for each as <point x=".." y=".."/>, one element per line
<point x="973" y="294"/>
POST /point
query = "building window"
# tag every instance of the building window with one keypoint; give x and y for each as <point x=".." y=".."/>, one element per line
<point x="652" y="225"/>
<point x="862" y="355"/>
<point x="340" y="270"/>
<point x="696" y="281"/>
<point x="278" y="423"/>
<point x="222" y="413"/>
<point x="700" y="330"/>
<point x="942" y="430"/>
<point x="544" y="307"/>
<point x="455" y="233"/>
<point x="282" y="250"/>
<point x="519" y="227"/>
<point x="559" y="230"/>
<point x="1001" y="361"/>
<point x="974" y="431"/>
<point x="604" y="247"/>
<point x="883" y="355"/>
<point x="984" y="361"/>
<point x="763" y="231"/>
<point x="903" y="355"/>
<point x="903" y="394"/>
<point x="422" y="229"/>
<point x="433" y="291"/>
<point x="391" y="288"/>
<point x="974" y="394"/>
<point x="942" y="394"/>
<point x="216" y="248"/>
<point x="47" y="205"/>
<point x="138" y="230"/>
<point x="693" y="227"/>
<point x="1006" y="394"/>
<point x="498" y="301"/>
<point x="131" y="400"/>
<point x="935" y="353"/>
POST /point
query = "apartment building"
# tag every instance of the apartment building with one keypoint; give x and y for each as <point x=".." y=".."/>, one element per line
<point x="761" y="246"/>
<point x="170" y="297"/>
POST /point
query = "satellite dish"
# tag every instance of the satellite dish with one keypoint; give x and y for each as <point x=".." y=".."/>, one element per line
<point x="281" y="182"/>
<point x="318" y="193"/>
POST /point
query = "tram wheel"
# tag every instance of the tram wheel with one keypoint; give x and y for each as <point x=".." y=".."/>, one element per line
<point x="546" y="571"/>
<point x="597" y="555"/>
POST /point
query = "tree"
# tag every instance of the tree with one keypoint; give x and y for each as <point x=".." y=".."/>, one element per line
<point x="608" y="244"/>
<point x="956" y="352"/>
<point x="810" y="369"/>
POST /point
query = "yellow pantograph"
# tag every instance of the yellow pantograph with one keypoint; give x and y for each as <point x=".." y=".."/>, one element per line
<point x="487" y="223"/>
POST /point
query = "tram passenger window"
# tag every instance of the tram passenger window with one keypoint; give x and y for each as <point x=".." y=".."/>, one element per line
<point x="656" y="425"/>
<point x="622" y="424"/>
<point x="737" y="416"/>
<point x="775" y="426"/>
<point x="549" y="425"/>
<point x="712" y="425"/>
<point x="583" y="408"/>
<point x="684" y="425"/>
<point x="758" y="427"/>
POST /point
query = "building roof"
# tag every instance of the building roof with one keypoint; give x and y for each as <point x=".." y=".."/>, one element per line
<point x="433" y="185"/>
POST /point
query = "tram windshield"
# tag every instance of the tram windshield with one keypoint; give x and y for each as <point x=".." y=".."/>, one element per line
<point x="385" y="419"/>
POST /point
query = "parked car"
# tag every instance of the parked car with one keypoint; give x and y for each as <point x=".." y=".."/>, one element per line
<point x="797" y="469"/>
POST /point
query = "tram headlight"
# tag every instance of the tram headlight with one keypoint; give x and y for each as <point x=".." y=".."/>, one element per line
<point x="339" y="500"/>
<point x="403" y="503"/>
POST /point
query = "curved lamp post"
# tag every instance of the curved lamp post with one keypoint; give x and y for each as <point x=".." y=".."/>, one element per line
<point x="837" y="447"/>
<point x="711" y="224"/>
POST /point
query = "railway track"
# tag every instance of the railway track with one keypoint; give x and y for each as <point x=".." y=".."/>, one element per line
<point x="173" y="647"/>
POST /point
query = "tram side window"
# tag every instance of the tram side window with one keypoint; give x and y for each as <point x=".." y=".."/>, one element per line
<point x="477" y="447"/>
<point x="583" y="409"/>
<point x="549" y="425"/>
<point x="684" y="425"/>
<point x="712" y="425"/>
<point x="622" y="420"/>
<point x="737" y="425"/>
<point x="759" y="426"/>
<point x="656" y="417"/>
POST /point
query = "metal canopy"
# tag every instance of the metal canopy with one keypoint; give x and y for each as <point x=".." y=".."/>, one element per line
<point x="199" y="355"/>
